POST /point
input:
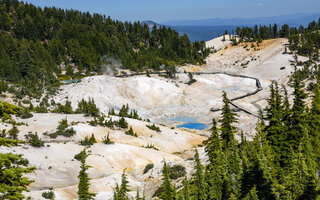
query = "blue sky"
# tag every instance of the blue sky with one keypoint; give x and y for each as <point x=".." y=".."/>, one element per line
<point x="163" y="10"/>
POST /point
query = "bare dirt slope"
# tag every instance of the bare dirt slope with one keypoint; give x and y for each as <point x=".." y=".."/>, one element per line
<point x="57" y="168"/>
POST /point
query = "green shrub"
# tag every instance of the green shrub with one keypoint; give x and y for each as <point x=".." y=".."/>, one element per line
<point x="151" y="146"/>
<point x="122" y="123"/>
<point x="79" y="156"/>
<point x="7" y="109"/>
<point x="25" y="113"/>
<point x="66" y="108"/>
<point x="34" y="140"/>
<point x="191" y="79"/>
<point x="48" y="195"/>
<point x="111" y="112"/>
<point x="88" y="141"/>
<point x="106" y="140"/>
<point x="41" y="109"/>
<point x="13" y="132"/>
<point x="63" y="130"/>
<point x="131" y="132"/>
<point x="109" y="123"/>
<point x="93" y="122"/>
<point x="154" y="127"/>
<point x="176" y="171"/>
<point x="88" y="108"/>
<point x="148" y="167"/>
<point x="3" y="86"/>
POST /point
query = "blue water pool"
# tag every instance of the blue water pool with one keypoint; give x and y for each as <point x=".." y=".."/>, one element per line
<point x="197" y="126"/>
<point x="70" y="81"/>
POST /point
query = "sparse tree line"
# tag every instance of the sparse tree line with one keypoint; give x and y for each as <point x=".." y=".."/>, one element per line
<point x="306" y="38"/>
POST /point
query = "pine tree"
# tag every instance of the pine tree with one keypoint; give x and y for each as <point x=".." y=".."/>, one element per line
<point x="295" y="178"/>
<point x="198" y="176"/>
<point x="276" y="130"/>
<point x="314" y="123"/>
<point x="286" y="109"/>
<point x="83" y="186"/>
<point x="298" y="117"/>
<point x="12" y="170"/>
<point x="216" y="169"/>
<point x="252" y="195"/>
<point x="122" y="192"/>
<point x="228" y="118"/>
<point x="212" y="144"/>
<point x="186" y="193"/>
<point x="168" y="192"/>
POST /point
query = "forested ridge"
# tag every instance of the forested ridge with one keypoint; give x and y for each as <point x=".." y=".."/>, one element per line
<point x="35" y="41"/>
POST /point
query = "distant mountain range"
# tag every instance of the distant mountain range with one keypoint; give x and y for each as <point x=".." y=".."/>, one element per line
<point x="292" y="20"/>
<point x="207" y="29"/>
<point x="195" y="33"/>
<point x="150" y="23"/>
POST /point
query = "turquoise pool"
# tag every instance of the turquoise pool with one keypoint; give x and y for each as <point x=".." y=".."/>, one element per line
<point x="70" y="81"/>
<point x="198" y="126"/>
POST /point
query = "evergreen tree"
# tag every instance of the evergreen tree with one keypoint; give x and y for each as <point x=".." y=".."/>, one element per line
<point x="83" y="186"/>
<point x="298" y="117"/>
<point x="286" y="109"/>
<point x="122" y="192"/>
<point x="12" y="170"/>
<point x="227" y="120"/>
<point x="168" y="192"/>
<point x="230" y="150"/>
<point x="216" y="169"/>
<point x="252" y="195"/>
<point x="186" y="193"/>
<point x="276" y="130"/>
<point x="198" y="176"/>
<point x="314" y="124"/>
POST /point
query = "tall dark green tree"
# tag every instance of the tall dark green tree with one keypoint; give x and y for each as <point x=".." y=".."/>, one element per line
<point x="199" y="181"/>
<point x="121" y="193"/>
<point x="168" y="190"/>
<point x="298" y="117"/>
<point x="12" y="173"/>
<point x="228" y="118"/>
<point x="215" y="172"/>
<point x="276" y="130"/>
<point x="314" y="124"/>
<point x="84" y="180"/>
<point x="186" y="192"/>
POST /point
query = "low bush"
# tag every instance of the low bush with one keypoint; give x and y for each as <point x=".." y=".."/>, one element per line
<point x="34" y="140"/>
<point x="106" y="140"/>
<point x="131" y="132"/>
<point x="63" y="130"/>
<point x="154" y="127"/>
<point x="176" y="171"/>
<point x="48" y="195"/>
<point x="122" y="123"/>
<point x="148" y="167"/>
<point x="88" y="141"/>
<point x="151" y="146"/>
